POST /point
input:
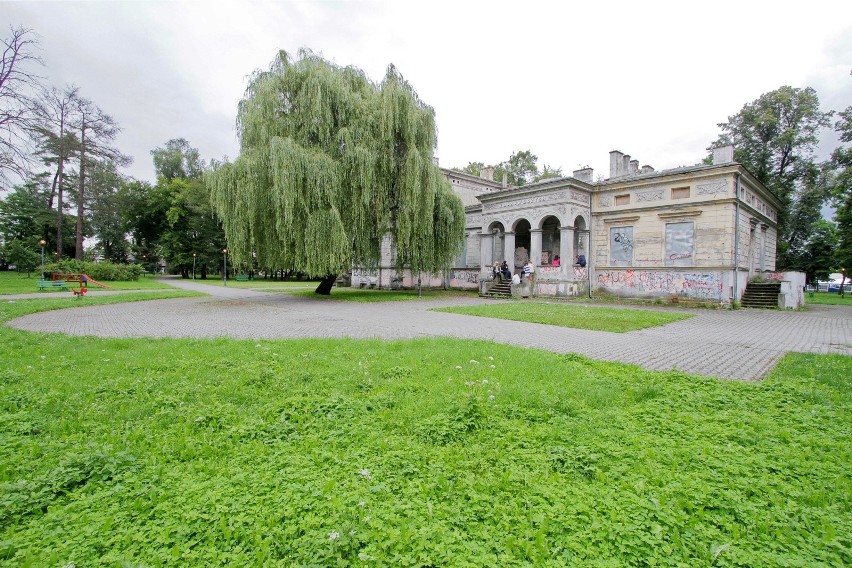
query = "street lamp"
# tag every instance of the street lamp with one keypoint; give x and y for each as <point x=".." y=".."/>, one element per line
<point x="42" y="243"/>
<point x="225" y="266"/>
<point x="193" y="266"/>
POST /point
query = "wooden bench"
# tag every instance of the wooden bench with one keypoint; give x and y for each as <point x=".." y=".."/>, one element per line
<point x="243" y="278"/>
<point x="50" y="284"/>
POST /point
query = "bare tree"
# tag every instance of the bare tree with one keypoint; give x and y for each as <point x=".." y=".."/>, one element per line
<point x="19" y="87"/>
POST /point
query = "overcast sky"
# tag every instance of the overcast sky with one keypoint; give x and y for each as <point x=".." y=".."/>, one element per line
<point x="570" y="83"/>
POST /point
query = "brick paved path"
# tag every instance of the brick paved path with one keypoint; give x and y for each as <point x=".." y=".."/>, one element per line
<point x="743" y="344"/>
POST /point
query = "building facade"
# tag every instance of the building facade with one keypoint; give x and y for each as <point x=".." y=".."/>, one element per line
<point x="697" y="233"/>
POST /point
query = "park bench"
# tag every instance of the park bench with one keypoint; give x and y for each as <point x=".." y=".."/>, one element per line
<point x="244" y="278"/>
<point x="48" y="284"/>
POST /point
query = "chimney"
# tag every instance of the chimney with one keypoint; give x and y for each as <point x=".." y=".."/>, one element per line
<point x="634" y="167"/>
<point x="487" y="173"/>
<point x="647" y="169"/>
<point x="616" y="163"/>
<point x="625" y="166"/>
<point x="723" y="155"/>
<point x="584" y="174"/>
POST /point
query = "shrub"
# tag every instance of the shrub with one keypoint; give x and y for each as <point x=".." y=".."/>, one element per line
<point x="103" y="270"/>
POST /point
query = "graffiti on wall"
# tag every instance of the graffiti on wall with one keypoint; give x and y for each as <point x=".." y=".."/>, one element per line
<point x="621" y="246"/>
<point x="699" y="285"/>
<point x="680" y="245"/>
<point x="459" y="277"/>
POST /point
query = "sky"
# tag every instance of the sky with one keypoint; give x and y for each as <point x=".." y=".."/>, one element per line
<point x="569" y="82"/>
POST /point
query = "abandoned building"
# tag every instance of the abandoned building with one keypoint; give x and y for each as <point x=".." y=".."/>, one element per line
<point x="697" y="232"/>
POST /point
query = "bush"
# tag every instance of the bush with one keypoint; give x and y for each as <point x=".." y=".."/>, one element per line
<point x="103" y="270"/>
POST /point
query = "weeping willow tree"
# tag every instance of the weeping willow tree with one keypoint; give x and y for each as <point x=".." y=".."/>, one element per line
<point x="330" y="164"/>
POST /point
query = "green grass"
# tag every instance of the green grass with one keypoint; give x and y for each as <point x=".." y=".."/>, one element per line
<point x="438" y="452"/>
<point x="833" y="299"/>
<point x="572" y="315"/>
<point x="359" y="295"/>
<point x="15" y="283"/>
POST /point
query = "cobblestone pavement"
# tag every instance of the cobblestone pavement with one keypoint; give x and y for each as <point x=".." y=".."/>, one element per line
<point x="742" y="344"/>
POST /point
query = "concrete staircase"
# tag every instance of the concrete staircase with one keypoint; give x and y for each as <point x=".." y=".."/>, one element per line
<point x="761" y="295"/>
<point x="500" y="289"/>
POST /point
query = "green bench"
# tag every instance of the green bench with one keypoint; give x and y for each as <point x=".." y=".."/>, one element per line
<point x="244" y="278"/>
<point x="51" y="284"/>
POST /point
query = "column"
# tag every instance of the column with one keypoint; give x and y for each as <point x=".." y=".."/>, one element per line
<point x="535" y="247"/>
<point x="509" y="249"/>
<point x="566" y="249"/>
<point x="485" y="253"/>
<point x="495" y="246"/>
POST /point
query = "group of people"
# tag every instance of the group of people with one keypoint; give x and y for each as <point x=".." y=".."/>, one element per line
<point x="501" y="270"/>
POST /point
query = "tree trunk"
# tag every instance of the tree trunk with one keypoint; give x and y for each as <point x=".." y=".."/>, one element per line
<point x="324" y="287"/>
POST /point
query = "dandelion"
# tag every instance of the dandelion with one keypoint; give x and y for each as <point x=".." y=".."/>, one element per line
<point x="333" y="535"/>
<point x="365" y="473"/>
<point x="458" y="367"/>
<point x="492" y="366"/>
<point x="490" y="397"/>
<point x="362" y="503"/>
<point x="490" y="358"/>
<point x="474" y="362"/>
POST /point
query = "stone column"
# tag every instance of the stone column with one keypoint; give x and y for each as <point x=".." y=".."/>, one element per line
<point x="485" y="254"/>
<point x="495" y="246"/>
<point x="509" y="249"/>
<point x="566" y="250"/>
<point x="535" y="247"/>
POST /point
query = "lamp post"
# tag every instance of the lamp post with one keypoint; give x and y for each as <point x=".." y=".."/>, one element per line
<point x="225" y="266"/>
<point x="193" y="266"/>
<point x="42" y="243"/>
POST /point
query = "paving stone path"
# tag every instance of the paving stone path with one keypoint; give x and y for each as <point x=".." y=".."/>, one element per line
<point x="742" y="344"/>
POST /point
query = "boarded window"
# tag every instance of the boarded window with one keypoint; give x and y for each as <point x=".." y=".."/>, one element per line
<point x="680" y="192"/>
<point x="622" y="199"/>
<point x="680" y="244"/>
<point x="621" y="246"/>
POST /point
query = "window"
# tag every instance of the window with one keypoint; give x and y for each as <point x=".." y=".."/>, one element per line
<point x="680" y="192"/>
<point x="621" y="246"/>
<point x="622" y="199"/>
<point x="680" y="244"/>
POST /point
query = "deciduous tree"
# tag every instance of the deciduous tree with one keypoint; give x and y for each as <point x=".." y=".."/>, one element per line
<point x="774" y="137"/>
<point x="330" y="164"/>
<point x="19" y="87"/>
<point x="841" y="160"/>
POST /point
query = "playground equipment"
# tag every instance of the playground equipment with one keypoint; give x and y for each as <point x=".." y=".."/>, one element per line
<point x="83" y="279"/>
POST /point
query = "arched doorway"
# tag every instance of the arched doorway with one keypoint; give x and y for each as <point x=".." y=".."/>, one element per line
<point x="498" y="235"/>
<point x="523" y="241"/>
<point x="581" y="237"/>
<point x="550" y="240"/>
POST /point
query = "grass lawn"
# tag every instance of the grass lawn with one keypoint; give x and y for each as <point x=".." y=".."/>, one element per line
<point x="367" y="295"/>
<point x="434" y="452"/>
<point x="15" y="283"/>
<point x="572" y="315"/>
<point x="826" y="298"/>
